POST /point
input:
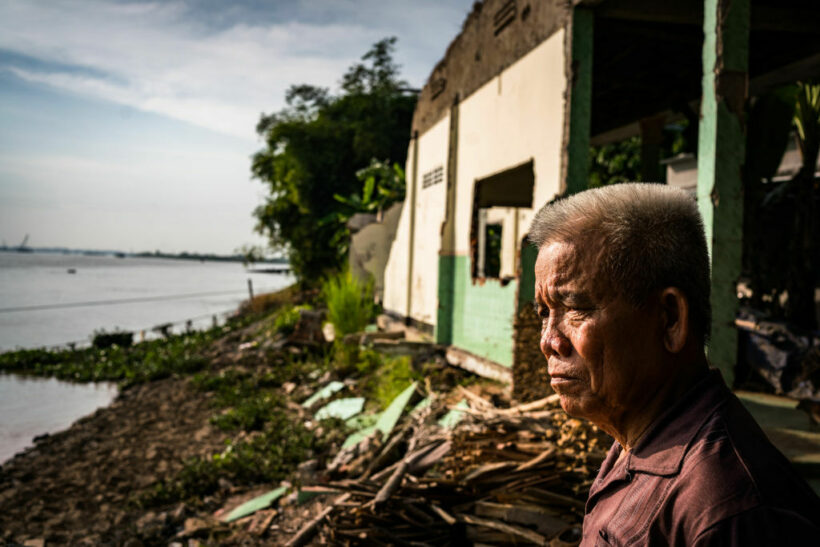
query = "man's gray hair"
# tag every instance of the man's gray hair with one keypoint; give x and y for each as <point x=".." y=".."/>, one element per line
<point x="653" y="238"/>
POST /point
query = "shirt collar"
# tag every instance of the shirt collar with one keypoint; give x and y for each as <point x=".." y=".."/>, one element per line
<point x="661" y="450"/>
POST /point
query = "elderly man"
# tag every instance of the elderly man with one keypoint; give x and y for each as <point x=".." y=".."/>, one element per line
<point x="622" y="289"/>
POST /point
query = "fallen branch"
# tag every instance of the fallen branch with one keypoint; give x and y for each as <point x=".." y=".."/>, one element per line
<point x="529" y="535"/>
<point x="308" y="530"/>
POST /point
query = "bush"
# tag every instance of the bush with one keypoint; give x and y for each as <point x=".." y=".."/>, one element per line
<point x="349" y="302"/>
<point x="143" y="362"/>
<point x="266" y="458"/>
<point x="385" y="377"/>
<point x="103" y="339"/>
<point x="287" y="318"/>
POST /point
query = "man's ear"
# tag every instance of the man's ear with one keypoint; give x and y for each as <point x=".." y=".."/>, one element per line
<point x="675" y="319"/>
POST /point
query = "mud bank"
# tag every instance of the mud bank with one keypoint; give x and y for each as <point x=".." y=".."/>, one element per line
<point x="79" y="486"/>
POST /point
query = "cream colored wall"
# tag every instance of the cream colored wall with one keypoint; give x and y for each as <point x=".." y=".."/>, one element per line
<point x="517" y="116"/>
<point x="395" y="272"/>
<point x="430" y="210"/>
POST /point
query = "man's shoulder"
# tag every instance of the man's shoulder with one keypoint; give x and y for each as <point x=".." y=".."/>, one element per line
<point x="731" y="468"/>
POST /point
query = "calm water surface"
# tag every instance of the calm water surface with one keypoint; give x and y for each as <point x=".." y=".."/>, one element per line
<point x="33" y="406"/>
<point x="160" y="290"/>
<point x="167" y="290"/>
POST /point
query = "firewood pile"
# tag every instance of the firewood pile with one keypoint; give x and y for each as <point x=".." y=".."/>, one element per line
<point x="492" y="475"/>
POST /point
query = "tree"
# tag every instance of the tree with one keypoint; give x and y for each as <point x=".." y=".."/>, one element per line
<point x="313" y="150"/>
<point x="780" y="226"/>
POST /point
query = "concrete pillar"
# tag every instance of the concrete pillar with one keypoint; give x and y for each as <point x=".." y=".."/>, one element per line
<point x="446" y="260"/>
<point x="578" y="111"/>
<point x="411" y="201"/>
<point x="721" y="155"/>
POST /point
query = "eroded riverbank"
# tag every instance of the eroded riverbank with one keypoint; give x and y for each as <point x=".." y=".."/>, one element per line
<point x="31" y="407"/>
<point x="76" y="486"/>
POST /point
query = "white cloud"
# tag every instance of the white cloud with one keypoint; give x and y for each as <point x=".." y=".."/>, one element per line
<point x="159" y="57"/>
<point x="155" y="185"/>
<point x="150" y="59"/>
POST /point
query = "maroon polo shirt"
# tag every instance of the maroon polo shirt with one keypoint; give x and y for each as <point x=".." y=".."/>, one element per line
<point x="703" y="474"/>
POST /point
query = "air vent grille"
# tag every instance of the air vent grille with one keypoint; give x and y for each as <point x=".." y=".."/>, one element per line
<point x="434" y="176"/>
<point x="504" y="16"/>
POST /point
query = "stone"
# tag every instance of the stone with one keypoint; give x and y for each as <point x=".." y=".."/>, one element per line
<point x="151" y="525"/>
<point x="195" y="527"/>
<point x="308" y="330"/>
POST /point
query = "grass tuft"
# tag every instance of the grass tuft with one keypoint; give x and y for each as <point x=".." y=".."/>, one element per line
<point x="349" y="302"/>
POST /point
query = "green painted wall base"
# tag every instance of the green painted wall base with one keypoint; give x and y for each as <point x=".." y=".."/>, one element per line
<point x="477" y="317"/>
<point x="446" y="292"/>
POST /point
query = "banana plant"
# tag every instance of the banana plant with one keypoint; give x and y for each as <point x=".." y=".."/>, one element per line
<point x="382" y="185"/>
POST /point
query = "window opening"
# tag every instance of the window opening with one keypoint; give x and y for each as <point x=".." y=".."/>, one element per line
<point x="497" y="208"/>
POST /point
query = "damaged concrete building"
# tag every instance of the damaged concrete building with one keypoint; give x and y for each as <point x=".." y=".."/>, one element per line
<point x="505" y="123"/>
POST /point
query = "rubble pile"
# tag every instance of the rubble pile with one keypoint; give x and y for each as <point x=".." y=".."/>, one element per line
<point x="451" y="472"/>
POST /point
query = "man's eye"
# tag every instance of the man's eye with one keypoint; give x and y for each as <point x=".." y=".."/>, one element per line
<point x="542" y="311"/>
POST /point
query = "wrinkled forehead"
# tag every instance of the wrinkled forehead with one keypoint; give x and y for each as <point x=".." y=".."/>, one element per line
<point x="572" y="263"/>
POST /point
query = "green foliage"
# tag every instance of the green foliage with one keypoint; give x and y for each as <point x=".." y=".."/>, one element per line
<point x="382" y="378"/>
<point x="807" y="113"/>
<point x="780" y="226"/>
<point x="349" y="302"/>
<point x="248" y="401"/>
<point x="389" y="378"/>
<point x="286" y="319"/>
<point x="251" y="254"/>
<point x="616" y="162"/>
<point x="143" y="362"/>
<point x="265" y="458"/>
<point x="621" y="161"/>
<point x="315" y="147"/>
<point x="382" y="185"/>
<point x="492" y="251"/>
<point x="271" y="443"/>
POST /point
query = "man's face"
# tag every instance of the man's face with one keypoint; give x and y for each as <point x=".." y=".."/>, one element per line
<point x="603" y="354"/>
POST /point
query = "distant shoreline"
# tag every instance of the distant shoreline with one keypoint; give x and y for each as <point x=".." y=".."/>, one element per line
<point x="202" y="257"/>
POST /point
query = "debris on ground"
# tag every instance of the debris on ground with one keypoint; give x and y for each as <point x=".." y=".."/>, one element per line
<point x="455" y="468"/>
<point x="411" y="450"/>
<point x="787" y="359"/>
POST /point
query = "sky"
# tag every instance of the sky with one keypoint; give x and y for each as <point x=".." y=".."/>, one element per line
<point x="129" y="125"/>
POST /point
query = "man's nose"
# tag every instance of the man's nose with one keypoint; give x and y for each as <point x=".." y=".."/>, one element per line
<point x="553" y="341"/>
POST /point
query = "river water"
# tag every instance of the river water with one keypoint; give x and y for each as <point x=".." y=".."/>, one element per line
<point x="33" y="406"/>
<point x="43" y="304"/>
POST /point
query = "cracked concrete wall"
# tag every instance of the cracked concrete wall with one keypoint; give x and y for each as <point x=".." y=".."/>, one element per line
<point x="478" y="54"/>
<point x="431" y="197"/>
<point x="516" y="117"/>
<point x="370" y="248"/>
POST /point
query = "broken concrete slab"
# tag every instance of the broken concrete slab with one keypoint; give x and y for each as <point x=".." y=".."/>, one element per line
<point x="387" y="420"/>
<point x="358" y="436"/>
<point x="323" y="393"/>
<point x="251" y="506"/>
<point x="454" y="416"/>
<point x="341" y="408"/>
